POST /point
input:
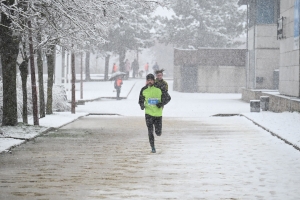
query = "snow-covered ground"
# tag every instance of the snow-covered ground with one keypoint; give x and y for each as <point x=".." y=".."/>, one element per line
<point x="183" y="105"/>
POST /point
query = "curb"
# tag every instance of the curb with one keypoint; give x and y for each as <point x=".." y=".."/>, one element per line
<point x="130" y="90"/>
<point x="99" y="98"/>
<point x="25" y="140"/>
<point x="272" y="133"/>
<point x="8" y="150"/>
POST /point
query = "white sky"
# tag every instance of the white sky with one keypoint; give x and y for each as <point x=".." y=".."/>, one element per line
<point x="163" y="12"/>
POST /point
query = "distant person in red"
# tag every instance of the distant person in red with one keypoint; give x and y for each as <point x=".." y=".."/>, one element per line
<point x="118" y="84"/>
<point x="146" y="68"/>
<point x="115" y="68"/>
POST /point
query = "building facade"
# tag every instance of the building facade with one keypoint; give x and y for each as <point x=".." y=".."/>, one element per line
<point x="262" y="68"/>
<point x="289" y="81"/>
<point x="209" y="70"/>
<point x="273" y="53"/>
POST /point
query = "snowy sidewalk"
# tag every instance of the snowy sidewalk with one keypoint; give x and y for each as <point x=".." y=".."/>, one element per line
<point x="284" y="125"/>
<point x="13" y="136"/>
<point x="189" y="105"/>
<point x="108" y="157"/>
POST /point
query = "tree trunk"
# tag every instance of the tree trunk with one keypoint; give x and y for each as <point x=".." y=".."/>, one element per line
<point x="33" y="81"/>
<point x="122" y="55"/>
<point x="81" y="76"/>
<point x="73" y="82"/>
<point x="9" y="43"/>
<point x="106" y="67"/>
<point x="63" y="63"/>
<point x="40" y="76"/>
<point x="87" y="67"/>
<point x="50" y="65"/>
<point x="24" y="73"/>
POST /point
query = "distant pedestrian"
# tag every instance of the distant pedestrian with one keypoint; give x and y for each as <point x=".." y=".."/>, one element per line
<point x="153" y="99"/>
<point x="155" y="67"/>
<point x="115" y="68"/>
<point x="118" y="84"/>
<point x="159" y="81"/>
<point x="146" y="68"/>
<point x="127" y="69"/>
<point x="141" y="73"/>
<point x="135" y="68"/>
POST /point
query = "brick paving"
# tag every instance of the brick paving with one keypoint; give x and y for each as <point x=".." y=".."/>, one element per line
<point x="108" y="157"/>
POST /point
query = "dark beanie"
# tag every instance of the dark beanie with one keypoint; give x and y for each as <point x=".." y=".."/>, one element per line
<point x="150" y="76"/>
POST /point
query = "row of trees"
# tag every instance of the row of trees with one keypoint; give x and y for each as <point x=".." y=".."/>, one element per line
<point x="194" y="24"/>
<point x="201" y="23"/>
<point x="34" y="27"/>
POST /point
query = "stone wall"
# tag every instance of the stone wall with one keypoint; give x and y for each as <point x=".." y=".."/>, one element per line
<point x="176" y="79"/>
<point x="248" y="94"/>
<point x="210" y="70"/>
<point x="277" y="103"/>
<point x="221" y="79"/>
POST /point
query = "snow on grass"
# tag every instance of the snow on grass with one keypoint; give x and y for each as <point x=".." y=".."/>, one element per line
<point x="6" y="143"/>
<point x="286" y="124"/>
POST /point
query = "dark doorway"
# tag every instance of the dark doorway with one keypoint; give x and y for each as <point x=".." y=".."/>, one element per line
<point x="189" y="81"/>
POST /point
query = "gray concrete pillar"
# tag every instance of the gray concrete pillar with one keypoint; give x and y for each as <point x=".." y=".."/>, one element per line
<point x="264" y="103"/>
<point x="255" y="105"/>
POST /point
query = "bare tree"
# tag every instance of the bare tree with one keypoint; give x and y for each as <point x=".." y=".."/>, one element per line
<point x="73" y="82"/>
<point x="23" y="67"/>
<point x="9" y="43"/>
<point x="87" y="66"/>
<point x="40" y="75"/>
<point x="50" y="63"/>
<point x="82" y="23"/>
<point x="33" y="81"/>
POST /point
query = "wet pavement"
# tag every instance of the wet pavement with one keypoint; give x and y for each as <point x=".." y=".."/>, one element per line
<point x="108" y="157"/>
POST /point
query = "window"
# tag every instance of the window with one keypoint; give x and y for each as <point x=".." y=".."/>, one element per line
<point x="265" y="13"/>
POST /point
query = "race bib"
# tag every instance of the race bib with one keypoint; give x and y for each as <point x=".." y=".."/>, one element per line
<point x="153" y="101"/>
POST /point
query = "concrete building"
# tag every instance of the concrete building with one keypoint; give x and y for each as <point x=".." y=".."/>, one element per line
<point x="263" y="46"/>
<point x="273" y="53"/>
<point x="209" y="70"/>
<point x="289" y="81"/>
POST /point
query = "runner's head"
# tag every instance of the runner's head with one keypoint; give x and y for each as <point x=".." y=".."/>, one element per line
<point x="150" y="79"/>
<point x="159" y="74"/>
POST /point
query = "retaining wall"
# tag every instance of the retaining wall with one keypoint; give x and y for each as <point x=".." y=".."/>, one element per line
<point x="277" y="102"/>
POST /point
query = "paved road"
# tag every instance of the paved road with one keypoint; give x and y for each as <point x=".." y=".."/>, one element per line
<point x="108" y="157"/>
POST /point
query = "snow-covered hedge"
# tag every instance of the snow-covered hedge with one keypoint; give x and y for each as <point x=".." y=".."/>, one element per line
<point x="59" y="104"/>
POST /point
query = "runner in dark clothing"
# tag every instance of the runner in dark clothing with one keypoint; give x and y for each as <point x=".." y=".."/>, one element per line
<point x="153" y="99"/>
<point x="159" y="81"/>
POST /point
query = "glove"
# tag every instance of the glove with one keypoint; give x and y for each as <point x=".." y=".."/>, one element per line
<point x="142" y="107"/>
<point x="159" y="105"/>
